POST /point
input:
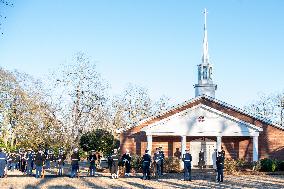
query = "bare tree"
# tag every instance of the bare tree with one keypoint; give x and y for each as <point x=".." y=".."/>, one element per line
<point x="268" y="106"/>
<point x="82" y="96"/>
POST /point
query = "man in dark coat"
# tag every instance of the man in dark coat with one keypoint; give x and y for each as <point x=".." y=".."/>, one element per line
<point x="39" y="162"/>
<point x="92" y="160"/>
<point x="220" y="167"/>
<point x="75" y="159"/>
<point x="146" y="162"/>
<point x="201" y="162"/>
<point x="114" y="167"/>
<point x="3" y="162"/>
<point x="187" y="158"/>
<point x="126" y="159"/>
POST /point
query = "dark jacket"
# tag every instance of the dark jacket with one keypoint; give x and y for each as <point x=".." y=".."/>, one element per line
<point x="187" y="158"/>
<point x="126" y="158"/>
<point x="220" y="162"/>
<point x="92" y="159"/>
<point x="146" y="160"/>
<point x="60" y="159"/>
<point x="39" y="159"/>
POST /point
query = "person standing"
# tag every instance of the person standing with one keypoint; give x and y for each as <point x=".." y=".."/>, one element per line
<point x="162" y="159"/>
<point x="75" y="158"/>
<point x="92" y="160"/>
<point x="39" y="162"/>
<point x="187" y="158"/>
<point x="114" y="166"/>
<point x="22" y="160"/>
<point x="201" y="162"/>
<point x="60" y="161"/>
<point x="29" y="159"/>
<point x="220" y="167"/>
<point x="146" y="162"/>
<point x="158" y="160"/>
<point x="48" y="159"/>
<point x="3" y="162"/>
<point x="126" y="159"/>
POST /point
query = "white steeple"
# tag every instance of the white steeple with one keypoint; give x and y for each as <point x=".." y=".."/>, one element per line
<point x="205" y="57"/>
<point x="205" y="84"/>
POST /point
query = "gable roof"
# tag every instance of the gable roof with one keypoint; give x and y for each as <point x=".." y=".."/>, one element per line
<point x="195" y="101"/>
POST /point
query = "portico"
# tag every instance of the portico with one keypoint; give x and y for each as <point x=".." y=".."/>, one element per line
<point x="202" y="121"/>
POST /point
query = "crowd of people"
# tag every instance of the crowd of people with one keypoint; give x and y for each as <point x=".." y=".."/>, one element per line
<point x="28" y="160"/>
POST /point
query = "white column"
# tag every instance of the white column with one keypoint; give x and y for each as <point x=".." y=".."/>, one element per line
<point x="149" y="143"/>
<point x="183" y="144"/>
<point x="255" y="148"/>
<point x="219" y="143"/>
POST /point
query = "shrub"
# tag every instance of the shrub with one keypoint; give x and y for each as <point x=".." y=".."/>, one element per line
<point x="99" y="140"/>
<point x="136" y="163"/>
<point x="244" y="165"/>
<point x="230" y="166"/>
<point x="256" y="166"/>
<point x="172" y="165"/>
<point x="268" y="165"/>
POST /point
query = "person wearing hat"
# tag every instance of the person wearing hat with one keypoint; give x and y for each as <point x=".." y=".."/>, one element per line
<point x="39" y="162"/>
<point x="60" y="161"/>
<point x="146" y="162"/>
<point x="29" y="159"/>
<point x="114" y="166"/>
<point x="187" y="158"/>
<point x="126" y="160"/>
<point x="75" y="158"/>
<point x="92" y="160"/>
<point x="220" y="166"/>
<point x="3" y="161"/>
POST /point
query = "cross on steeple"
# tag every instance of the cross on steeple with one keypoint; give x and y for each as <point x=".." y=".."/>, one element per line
<point x="205" y="84"/>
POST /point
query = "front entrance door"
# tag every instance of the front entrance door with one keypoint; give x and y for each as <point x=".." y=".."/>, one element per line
<point x="207" y="146"/>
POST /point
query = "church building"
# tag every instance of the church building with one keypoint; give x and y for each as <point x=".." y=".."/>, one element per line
<point x="206" y="123"/>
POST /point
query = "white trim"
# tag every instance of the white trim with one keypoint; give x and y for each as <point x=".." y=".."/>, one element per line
<point x="219" y="143"/>
<point x="201" y="134"/>
<point x="183" y="144"/>
<point x="179" y="114"/>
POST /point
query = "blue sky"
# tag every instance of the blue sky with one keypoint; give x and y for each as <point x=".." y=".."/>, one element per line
<point x="156" y="44"/>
